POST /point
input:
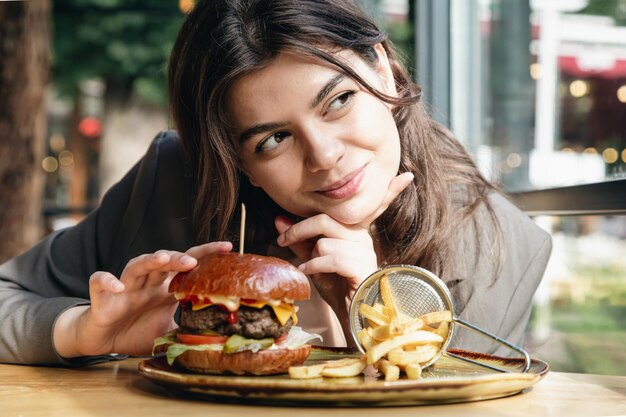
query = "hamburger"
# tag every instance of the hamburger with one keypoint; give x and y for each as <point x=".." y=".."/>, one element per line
<point x="237" y="316"/>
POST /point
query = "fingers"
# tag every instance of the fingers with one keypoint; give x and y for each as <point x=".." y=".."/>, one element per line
<point x="156" y="268"/>
<point x="153" y="269"/>
<point x="102" y="281"/>
<point x="396" y="186"/>
<point x="335" y="256"/>
<point x="213" y="247"/>
<point x="283" y="223"/>
<point x="300" y="247"/>
<point x="314" y="227"/>
<point x="102" y="284"/>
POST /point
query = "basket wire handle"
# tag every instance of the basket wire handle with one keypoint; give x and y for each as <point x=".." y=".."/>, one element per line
<point x="495" y="338"/>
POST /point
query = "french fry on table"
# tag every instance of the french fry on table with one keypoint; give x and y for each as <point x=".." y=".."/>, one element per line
<point x="353" y="368"/>
<point x="346" y="367"/>
<point x="306" y="372"/>
<point x="340" y="363"/>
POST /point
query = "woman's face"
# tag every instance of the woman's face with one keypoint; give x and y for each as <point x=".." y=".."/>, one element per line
<point x="315" y="140"/>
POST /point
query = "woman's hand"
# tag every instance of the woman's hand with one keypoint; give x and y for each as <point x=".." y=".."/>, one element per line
<point x="337" y="257"/>
<point x="126" y="315"/>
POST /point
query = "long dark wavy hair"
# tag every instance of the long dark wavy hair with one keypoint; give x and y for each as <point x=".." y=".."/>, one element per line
<point x="223" y="40"/>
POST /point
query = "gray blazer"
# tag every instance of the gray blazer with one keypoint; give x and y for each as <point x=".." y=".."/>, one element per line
<point x="150" y="209"/>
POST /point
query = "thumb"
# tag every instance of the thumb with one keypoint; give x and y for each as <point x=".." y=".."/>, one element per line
<point x="396" y="186"/>
<point x="101" y="286"/>
<point x="301" y="249"/>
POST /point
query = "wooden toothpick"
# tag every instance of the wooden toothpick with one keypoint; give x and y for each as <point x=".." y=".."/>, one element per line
<point x="242" y="228"/>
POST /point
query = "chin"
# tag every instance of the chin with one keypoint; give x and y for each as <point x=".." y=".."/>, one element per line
<point x="354" y="212"/>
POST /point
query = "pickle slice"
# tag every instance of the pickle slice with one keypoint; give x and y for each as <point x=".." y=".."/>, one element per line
<point x="237" y="343"/>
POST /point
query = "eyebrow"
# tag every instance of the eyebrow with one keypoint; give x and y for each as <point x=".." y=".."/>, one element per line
<point x="258" y="129"/>
<point x="330" y="85"/>
<point x="248" y="133"/>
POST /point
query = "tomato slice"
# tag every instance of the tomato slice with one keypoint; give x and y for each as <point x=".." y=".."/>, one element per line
<point x="200" y="339"/>
<point x="280" y="338"/>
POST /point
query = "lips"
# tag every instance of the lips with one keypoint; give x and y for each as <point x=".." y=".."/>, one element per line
<point x="345" y="187"/>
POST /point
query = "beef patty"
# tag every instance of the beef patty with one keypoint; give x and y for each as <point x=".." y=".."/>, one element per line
<point x="252" y="322"/>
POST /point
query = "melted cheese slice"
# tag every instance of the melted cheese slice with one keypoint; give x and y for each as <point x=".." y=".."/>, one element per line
<point x="282" y="310"/>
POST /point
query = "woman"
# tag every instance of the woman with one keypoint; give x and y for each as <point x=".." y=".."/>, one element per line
<point x="301" y="110"/>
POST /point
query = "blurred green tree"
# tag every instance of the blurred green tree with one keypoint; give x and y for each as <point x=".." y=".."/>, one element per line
<point x="124" y="42"/>
<point x="613" y="8"/>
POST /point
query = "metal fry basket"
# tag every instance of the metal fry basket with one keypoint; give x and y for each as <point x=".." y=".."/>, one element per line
<point x="418" y="291"/>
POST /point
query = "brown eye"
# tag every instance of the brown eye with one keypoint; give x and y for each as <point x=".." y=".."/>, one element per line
<point x="271" y="141"/>
<point x="341" y="101"/>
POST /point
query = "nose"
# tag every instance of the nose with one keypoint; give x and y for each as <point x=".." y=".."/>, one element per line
<point x="322" y="150"/>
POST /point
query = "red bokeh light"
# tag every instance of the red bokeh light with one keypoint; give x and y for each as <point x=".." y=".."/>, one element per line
<point x="90" y="127"/>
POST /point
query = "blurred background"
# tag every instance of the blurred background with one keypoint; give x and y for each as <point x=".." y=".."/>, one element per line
<point x="536" y="90"/>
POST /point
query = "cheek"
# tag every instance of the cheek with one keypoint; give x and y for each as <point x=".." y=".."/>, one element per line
<point x="375" y="124"/>
<point x="278" y="180"/>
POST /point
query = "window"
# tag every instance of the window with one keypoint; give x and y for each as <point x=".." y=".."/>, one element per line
<point x="537" y="92"/>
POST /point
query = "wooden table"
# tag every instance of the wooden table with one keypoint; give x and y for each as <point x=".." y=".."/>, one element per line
<point x="117" y="389"/>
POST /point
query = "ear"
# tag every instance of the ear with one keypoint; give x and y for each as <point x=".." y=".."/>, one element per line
<point x="253" y="182"/>
<point x="384" y="71"/>
<point x="251" y="179"/>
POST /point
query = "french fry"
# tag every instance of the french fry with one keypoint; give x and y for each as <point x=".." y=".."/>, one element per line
<point x="418" y="337"/>
<point x="340" y="362"/>
<point x="390" y="302"/>
<point x="413" y="371"/>
<point x="380" y="308"/>
<point x="386" y="331"/>
<point x="373" y="315"/>
<point x="443" y="329"/>
<point x="341" y="367"/>
<point x="412" y="347"/>
<point x="415" y="324"/>
<point x="352" y="369"/>
<point x="428" y="319"/>
<point x="306" y="372"/>
<point x="366" y="340"/>
<point x="391" y="371"/>
<point x="404" y="319"/>
<point x="437" y="317"/>
<point x="421" y="355"/>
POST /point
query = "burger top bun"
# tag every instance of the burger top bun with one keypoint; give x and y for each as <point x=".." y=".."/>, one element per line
<point x="247" y="276"/>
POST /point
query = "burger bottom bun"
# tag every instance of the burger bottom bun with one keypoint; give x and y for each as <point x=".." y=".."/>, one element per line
<point x="263" y="362"/>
